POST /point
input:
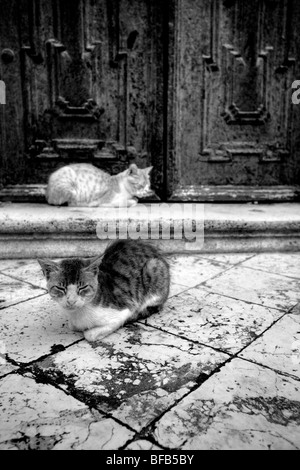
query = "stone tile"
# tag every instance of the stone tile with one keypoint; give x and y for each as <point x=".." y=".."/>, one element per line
<point x="212" y="319"/>
<point x="29" y="271"/>
<point x="176" y="289"/>
<point x="142" y="444"/>
<point x="5" y="367"/>
<point x="285" y="264"/>
<point x="36" y="416"/>
<point x="13" y="263"/>
<point x="244" y="406"/>
<point x="34" y="328"/>
<point x="268" y="289"/>
<point x="227" y="258"/>
<point x="296" y="309"/>
<point x="191" y="270"/>
<point x="13" y="291"/>
<point x="134" y="374"/>
<point x="279" y="347"/>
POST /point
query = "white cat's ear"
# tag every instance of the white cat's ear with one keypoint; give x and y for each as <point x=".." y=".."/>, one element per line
<point x="92" y="264"/>
<point x="148" y="169"/>
<point x="133" y="169"/>
<point x="48" y="266"/>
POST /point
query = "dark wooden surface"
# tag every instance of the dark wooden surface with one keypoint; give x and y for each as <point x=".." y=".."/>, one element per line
<point x="85" y="84"/>
<point x="231" y="117"/>
<point x="200" y="89"/>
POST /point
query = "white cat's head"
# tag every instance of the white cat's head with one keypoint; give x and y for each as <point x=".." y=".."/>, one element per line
<point x="137" y="180"/>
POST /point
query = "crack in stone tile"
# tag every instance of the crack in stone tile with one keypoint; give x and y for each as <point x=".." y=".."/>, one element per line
<point x="215" y="415"/>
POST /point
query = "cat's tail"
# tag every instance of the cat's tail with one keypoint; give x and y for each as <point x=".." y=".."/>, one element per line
<point x="61" y="187"/>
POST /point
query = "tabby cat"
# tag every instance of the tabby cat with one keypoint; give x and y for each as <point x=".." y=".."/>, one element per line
<point x="129" y="281"/>
<point x="82" y="184"/>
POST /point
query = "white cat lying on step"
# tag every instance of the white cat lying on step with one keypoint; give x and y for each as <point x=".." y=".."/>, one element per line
<point x="82" y="184"/>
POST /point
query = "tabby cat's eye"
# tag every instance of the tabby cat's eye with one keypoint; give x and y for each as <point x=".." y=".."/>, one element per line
<point x="59" y="290"/>
<point x="83" y="288"/>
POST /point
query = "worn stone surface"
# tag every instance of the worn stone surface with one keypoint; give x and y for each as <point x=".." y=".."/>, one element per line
<point x="258" y="287"/>
<point x="248" y="215"/>
<point x="287" y="265"/>
<point x="244" y="406"/>
<point x="5" y="367"/>
<point x="134" y="374"/>
<point x="196" y="269"/>
<point x="208" y="318"/>
<point x="13" y="263"/>
<point x="23" y="217"/>
<point x="39" y="416"/>
<point x="279" y="347"/>
<point x="142" y="444"/>
<point x="175" y="376"/>
<point x="13" y="291"/>
<point x="176" y="289"/>
<point x="29" y="271"/>
<point x="227" y="258"/>
<point x="67" y="231"/>
<point x="34" y="328"/>
<point x="296" y="309"/>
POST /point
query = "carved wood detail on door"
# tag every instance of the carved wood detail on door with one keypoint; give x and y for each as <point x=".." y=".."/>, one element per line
<point x="248" y="79"/>
<point x="235" y="87"/>
<point x="69" y="66"/>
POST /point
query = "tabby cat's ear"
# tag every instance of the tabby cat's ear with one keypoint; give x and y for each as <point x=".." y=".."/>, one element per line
<point x="48" y="266"/>
<point x="92" y="265"/>
<point x="133" y="169"/>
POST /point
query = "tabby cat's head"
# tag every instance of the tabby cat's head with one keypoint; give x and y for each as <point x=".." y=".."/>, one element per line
<point x="72" y="283"/>
<point x="138" y="179"/>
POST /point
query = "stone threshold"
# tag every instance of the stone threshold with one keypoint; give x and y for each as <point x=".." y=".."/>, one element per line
<point x="30" y="230"/>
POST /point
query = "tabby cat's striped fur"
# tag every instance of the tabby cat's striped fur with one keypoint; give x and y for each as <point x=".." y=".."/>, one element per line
<point x="100" y="295"/>
<point x="82" y="184"/>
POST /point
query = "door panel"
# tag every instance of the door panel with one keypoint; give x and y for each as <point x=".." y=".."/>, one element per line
<point x="85" y="84"/>
<point x="11" y="113"/>
<point x="233" y="126"/>
<point x="200" y="89"/>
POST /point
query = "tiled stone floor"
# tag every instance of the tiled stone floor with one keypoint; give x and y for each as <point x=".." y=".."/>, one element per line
<point x="219" y="368"/>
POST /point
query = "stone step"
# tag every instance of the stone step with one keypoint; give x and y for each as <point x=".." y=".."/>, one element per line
<point x="39" y="230"/>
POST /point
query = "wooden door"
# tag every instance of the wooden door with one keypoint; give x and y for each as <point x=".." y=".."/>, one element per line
<point x="84" y="82"/>
<point x="233" y="130"/>
<point x="200" y="89"/>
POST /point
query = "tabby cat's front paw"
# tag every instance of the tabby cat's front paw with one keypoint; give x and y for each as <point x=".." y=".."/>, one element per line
<point x="94" y="334"/>
<point x="89" y="336"/>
